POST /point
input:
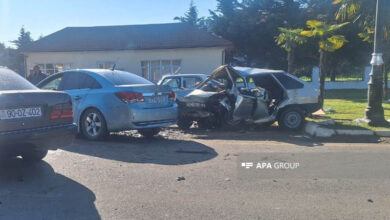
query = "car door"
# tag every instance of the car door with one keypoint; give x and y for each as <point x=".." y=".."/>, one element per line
<point x="52" y="83"/>
<point x="189" y="82"/>
<point x="173" y="82"/>
<point x="244" y="101"/>
<point x="77" y="85"/>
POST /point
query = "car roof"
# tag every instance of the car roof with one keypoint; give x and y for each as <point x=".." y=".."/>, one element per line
<point x="183" y="75"/>
<point x="101" y="72"/>
<point x="248" y="71"/>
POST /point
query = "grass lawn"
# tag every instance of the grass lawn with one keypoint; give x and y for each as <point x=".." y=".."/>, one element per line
<point x="349" y="105"/>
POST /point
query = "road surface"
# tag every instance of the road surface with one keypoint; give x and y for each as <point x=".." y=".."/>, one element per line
<point x="197" y="175"/>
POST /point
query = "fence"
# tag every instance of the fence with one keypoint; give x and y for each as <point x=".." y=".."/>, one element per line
<point x="348" y="84"/>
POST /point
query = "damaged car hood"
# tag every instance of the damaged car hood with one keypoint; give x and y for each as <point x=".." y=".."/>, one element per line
<point x="198" y="96"/>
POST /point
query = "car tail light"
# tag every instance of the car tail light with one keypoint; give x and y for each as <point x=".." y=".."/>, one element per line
<point x="130" y="97"/>
<point x="62" y="110"/>
<point x="172" y="96"/>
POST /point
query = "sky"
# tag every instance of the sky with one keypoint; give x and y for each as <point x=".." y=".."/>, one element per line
<point x="43" y="17"/>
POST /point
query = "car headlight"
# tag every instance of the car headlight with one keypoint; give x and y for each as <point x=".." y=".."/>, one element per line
<point x="195" y="105"/>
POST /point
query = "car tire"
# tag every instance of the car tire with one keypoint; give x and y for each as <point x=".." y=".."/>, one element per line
<point x="33" y="155"/>
<point x="93" y="125"/>
<point x="291" y="119"/>
<point x="184" y="123"/>
<point x="149" y="132"/>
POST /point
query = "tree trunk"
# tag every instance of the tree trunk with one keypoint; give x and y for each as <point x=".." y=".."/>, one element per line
<point x="333" y="75"/>
<point x="291" y="61"/>
<point x="322" y="77"/>
<point x="385" y="80"/>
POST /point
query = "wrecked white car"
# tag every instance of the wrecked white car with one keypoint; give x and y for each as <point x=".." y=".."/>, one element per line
<point x="234" y="95"/>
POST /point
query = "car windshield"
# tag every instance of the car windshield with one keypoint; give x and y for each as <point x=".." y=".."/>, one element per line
<point x="119" y="78"/>
<point x="12" y="81"/>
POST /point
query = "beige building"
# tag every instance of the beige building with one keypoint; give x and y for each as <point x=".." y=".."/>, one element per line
<point x="147" y="50"/>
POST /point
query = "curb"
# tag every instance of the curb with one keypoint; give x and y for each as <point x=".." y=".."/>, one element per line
<point x="315" y="130"/>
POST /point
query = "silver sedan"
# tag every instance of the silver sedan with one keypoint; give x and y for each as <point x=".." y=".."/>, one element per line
<point x="108" y="101"/>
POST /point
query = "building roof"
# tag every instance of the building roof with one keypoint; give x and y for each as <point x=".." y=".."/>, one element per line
<point x="127" y="37"/>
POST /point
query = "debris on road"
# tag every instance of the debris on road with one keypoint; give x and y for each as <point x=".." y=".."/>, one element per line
<point x="329" y="110"/>
<point x="181" y="178"/>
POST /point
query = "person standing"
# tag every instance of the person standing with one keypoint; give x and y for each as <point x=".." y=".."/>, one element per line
<point x="36" y="76"/>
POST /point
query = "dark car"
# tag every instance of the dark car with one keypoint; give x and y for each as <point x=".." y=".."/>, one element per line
<point x="32" y="121"/>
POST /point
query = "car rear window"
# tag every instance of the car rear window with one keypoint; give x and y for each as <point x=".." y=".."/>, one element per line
<point x="12" y="81"/>
<point x="125" y="78"/>
<point x="288" y="82"/>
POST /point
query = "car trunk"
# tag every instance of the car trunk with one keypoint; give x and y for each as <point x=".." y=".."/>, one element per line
<point x="27" y="109"/>
<point x="154" y="96"/>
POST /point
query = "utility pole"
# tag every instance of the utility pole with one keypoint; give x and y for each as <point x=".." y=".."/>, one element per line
<point x="374" y="113"/>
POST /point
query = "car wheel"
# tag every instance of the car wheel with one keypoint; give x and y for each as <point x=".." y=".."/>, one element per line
<point x="149" y="132"/>
<point x="93" y="125"/>
<point x="291" y="119"/>
<point x="33" y="155"/>
<point x="184" y="123"/>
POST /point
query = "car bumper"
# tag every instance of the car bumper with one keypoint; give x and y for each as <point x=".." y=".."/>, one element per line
<point x="150" y="118"/>
<point x="311" y="108"/>
<point x="48" y="138"/>
<point x="131" y="117"/>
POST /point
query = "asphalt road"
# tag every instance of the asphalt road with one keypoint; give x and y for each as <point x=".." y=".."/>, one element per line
<point x="198" y="175"/>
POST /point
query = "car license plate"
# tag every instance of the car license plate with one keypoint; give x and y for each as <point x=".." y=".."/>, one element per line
<point x="20" y="113"/>
<point x="158" y="99"/>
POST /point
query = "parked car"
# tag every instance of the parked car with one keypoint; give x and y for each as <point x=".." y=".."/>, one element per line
<point x="111" y="100"/>
<point x="32" y="121"/>
<point x="182" y="84"/>
<point x="241" y="94"/>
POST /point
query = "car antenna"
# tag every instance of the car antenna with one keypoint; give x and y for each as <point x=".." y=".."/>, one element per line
<point x="113" y="67"/>
<point x="177" y="71"/>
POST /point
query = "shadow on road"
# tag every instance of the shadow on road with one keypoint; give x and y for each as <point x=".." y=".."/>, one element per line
<point x="35" y="191"/>
<point x="273" y="133"/>
<point x="141" y="150"/>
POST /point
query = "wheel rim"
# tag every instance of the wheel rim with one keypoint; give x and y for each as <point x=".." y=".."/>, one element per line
<point x="292" y="119"/>
<point x="93" y="124"/>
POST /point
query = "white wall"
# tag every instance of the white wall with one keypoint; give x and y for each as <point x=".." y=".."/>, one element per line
<point x="359" y="84"/>
<point x="193" y="60"/>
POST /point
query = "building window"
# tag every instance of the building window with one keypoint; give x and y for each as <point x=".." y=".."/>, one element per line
<point x="154" y="70"/>
<point x="105" y="65"/>
<point x="51" y="68"/>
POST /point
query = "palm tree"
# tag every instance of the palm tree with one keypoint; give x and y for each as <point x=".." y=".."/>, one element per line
<point x="348" y="9"/>
<point x="289" y="39"/>
<point x="327" y="42"/>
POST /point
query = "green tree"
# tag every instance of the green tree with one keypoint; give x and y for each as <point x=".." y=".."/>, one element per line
<point x="363" y="13"/>
<point x="3" y="54"/>
<point x="328" y="41"/>
<point x="191" y="16"/>
<point x="23" y="40"/>
<point x="252" y="26"/>
<point x="289" y="39"/>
